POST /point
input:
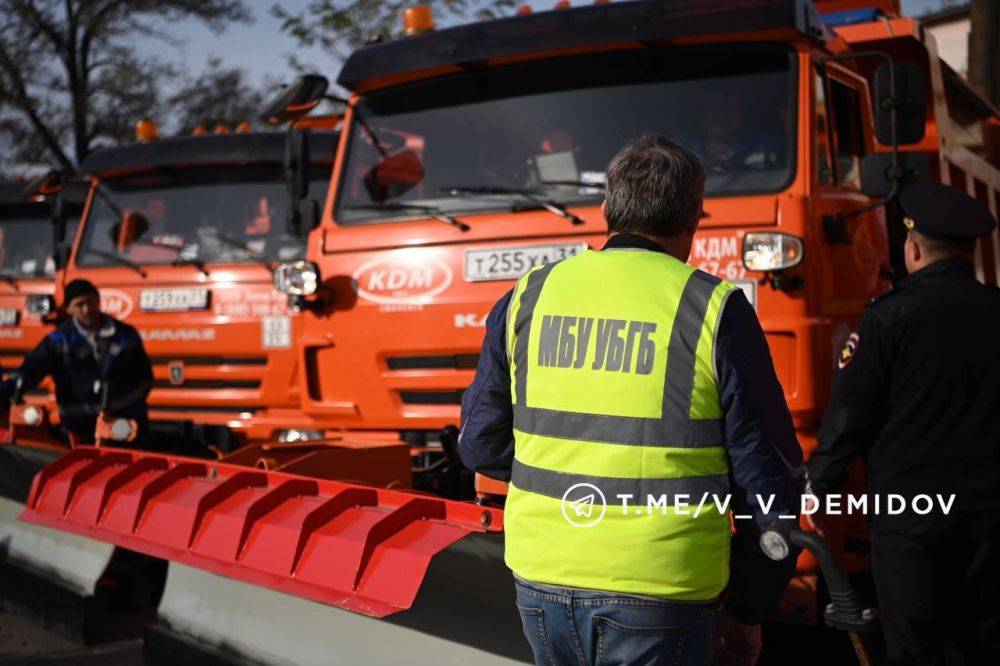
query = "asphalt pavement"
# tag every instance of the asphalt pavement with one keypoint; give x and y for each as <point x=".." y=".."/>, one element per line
<point x="23" y="642"/>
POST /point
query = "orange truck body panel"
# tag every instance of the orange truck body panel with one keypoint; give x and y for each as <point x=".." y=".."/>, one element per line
<point x="228" y="378"/>
<point x="15" y="343"/>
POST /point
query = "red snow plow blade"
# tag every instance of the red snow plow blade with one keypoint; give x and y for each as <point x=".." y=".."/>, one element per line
<point x="361" y="548"/>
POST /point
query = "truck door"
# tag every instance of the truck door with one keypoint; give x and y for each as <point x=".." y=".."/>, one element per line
<point x="855" y="255"/>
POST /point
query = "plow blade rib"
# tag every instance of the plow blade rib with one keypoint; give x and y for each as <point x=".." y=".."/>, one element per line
<point x="364" y="549"/>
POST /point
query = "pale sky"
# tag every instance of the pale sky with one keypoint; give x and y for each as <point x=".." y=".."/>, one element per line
<point x="261" y="48"/>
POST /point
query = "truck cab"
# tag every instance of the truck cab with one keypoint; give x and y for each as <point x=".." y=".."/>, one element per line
<point x="36" y="219"/>
<point x="472" y="153"/>
<point x="180" y="236"/>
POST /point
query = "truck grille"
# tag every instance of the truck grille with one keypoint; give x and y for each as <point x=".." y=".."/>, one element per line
<point x="209" y="384"/>
<point x="209" y="360"/>
<point x="431" y="397"/>
<point x="208" y="409"/>
<point x="438" y="362"/>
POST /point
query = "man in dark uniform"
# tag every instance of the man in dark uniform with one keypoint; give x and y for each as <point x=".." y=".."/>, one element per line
<point x="95" y="360"/>
<point x="917" y="394"/>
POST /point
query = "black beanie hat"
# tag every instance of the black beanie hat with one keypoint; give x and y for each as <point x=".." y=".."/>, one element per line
<point x="78" y="288"/>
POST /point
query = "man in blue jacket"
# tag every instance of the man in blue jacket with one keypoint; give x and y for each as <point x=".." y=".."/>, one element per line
<point x="95" y="361"/>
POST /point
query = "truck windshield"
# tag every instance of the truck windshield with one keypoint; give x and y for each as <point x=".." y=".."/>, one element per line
<point x="26" y="244"/>
<point x="202" y="215"/>
<point x="456" y="142"/>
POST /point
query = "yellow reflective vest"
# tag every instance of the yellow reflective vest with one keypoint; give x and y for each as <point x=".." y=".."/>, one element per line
<point x="620" y="471"/>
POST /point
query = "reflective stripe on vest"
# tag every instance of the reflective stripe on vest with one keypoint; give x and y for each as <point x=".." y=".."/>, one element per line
<point x="614" y="389"/>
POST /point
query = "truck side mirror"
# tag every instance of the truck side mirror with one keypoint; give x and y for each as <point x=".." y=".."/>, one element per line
<point x="877" y="176"/>
<point x="910" y="103"/>
<point x="295" y="100"/>
<point x="297" y="180"/>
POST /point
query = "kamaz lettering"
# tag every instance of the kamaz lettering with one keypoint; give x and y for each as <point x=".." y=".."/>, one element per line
<point x="178" y="334"/>
<point x="565" y="343"/>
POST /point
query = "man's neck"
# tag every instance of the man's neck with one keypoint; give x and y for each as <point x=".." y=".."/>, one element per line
<point x="89" y="329"/>
<point x="678" y="247"/>
<point x="932" y="260"/>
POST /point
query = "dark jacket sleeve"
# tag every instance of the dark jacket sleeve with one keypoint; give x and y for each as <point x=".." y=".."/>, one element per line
<point x="143" y="367"/>
<point x="765" y="458"/>
<point x="486" y="442"/>
<point x="131" y="375"/>
<point x="36" y="366"/>
<point x="856" y="409"/>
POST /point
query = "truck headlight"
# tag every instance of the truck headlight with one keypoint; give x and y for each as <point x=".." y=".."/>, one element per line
<point x="771" y="251"/>
<point x="40" y="305"/>
<point x="32" y="415"/>
<point x="296" y="435"/>
<point x="121" y="430"/>
<point x="297" y="278"/>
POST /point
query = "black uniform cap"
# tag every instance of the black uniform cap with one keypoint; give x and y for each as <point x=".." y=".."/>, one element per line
<point x="945" y="213"/>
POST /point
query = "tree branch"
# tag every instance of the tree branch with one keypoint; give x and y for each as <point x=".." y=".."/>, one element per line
<point x="23" y="102"/>
<point x="29" y="9"/>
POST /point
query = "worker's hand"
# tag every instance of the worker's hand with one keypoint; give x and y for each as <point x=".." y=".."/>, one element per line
<point x="736" y="644"/>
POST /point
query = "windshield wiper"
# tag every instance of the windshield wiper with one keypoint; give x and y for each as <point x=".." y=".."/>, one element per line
<point x="117" y="258"/>
<point x="530" y="195"/>
<point x="240" y="245"/>
<point x="9" y="278"/>
<point x="181" y="261"/>
<point x="432" y="211"/>
<point x="574" y="183"/>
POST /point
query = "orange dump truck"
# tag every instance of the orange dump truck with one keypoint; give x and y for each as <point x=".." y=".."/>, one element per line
<point x="468" y="155"/>
<point x="180" y="236"/>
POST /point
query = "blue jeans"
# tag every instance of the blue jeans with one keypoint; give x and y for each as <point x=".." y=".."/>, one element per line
<point x="567" y="626"/>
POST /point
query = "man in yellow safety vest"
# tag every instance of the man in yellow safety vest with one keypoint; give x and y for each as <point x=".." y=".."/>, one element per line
<point x="631" y="402"/>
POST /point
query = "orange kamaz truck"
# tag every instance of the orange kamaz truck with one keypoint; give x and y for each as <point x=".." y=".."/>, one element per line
<point x="468" y="155"/>
<point x="181" y="235"/>
<point x="37" y="224"/>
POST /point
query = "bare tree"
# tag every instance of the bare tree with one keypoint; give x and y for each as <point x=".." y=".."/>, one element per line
<point x="218" y="94"/>
<point x="340" y="26"/>
<point x="70" y="76"/>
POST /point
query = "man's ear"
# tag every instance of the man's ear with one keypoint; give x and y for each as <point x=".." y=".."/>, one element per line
<point x="604" y="209"/>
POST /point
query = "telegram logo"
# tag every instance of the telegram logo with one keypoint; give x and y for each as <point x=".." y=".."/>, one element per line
<point x="584" y="505"/>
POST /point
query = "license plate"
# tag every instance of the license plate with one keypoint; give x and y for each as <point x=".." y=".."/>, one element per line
<point x="510" y="263"/>
<point x="173" y="300"/>
<point x="8" y="316"/>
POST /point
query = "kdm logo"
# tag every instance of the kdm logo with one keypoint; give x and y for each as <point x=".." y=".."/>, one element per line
<point x="398" y="279"/>
<point x="116" y="303"/>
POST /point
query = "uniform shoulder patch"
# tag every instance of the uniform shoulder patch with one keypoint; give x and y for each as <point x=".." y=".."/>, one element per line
<point x="849" y="350"/>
